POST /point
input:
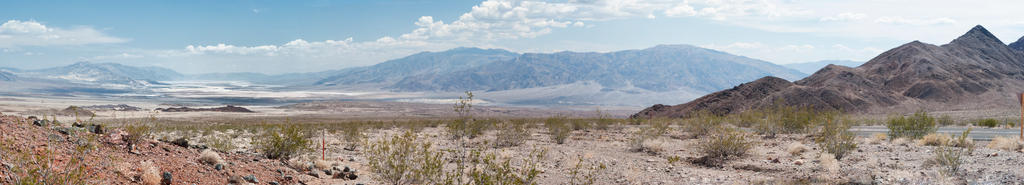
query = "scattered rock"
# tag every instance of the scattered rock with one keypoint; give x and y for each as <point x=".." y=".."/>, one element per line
<point x="352" y="176"/>
<point x="329" y="172"/>
<point x="166" y="180"/>
<point x="314" y="174"/>
<point x="218" y="166"/>
<point x="273" y="183"/>
<point x="798" y="162"/>
<point x="180" y="142"/>
<point x="41" y="123"/>
<point x="252" y="179"/>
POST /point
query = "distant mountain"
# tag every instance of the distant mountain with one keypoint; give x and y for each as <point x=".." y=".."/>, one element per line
<point x="974" y="71"/>
<point x="811" y="67"/>
<point x="417" y="64"/>
<point x="106" y="73"/>
<point x="7" y="76"/>
<point x="1019" y="45"/>
<point x="658" y="69"/>
<point x="288" y="79"/>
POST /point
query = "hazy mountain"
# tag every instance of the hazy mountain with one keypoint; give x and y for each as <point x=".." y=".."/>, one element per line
<point x="7" y="76"/>
<point x="811" y="67"/>
<point x="974" y="71"/>
<point x="288" y="79"/>
<point x="105" y="73"/>
<point x="657" y="69"/>
<point x="417" y="64"/>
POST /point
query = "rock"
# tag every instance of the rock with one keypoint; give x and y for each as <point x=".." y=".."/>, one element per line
<point x="273" y="183"/>
<point x="994" y="154"/>
<point x="288" y="178"/>
<point x="166" y="178"/>
<point x="252" y="179"/>
<point x="218" y="166"/>
<point x="346" y="169"/>
<point x="65" y="130"/>
<point x="314" y="174"/>
<point x="180" y="142"/>
<point x="41" y="123"/>
<point x="96" y="129"/>
<point x="55" y="137"/>
<point x="352" y="176"/>
<point x="329" y="172"/>
<point x="798" y="162"/>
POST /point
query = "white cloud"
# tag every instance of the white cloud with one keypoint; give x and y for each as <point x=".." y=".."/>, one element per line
<point x="844" y="17"/>
<point x="31" y="33"/>
<point x="912" y="21"/>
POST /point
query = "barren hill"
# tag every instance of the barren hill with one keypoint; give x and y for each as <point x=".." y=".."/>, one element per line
<point x="974" y="71"/>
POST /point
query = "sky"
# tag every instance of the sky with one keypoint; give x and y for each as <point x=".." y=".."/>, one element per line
<point x="277" y="37"/>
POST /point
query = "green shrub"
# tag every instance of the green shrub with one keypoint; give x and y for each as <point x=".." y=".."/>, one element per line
<point x="656" y="128"/>
<point x="945" y="120"/>
<point x="989" y="122"/>
<point x="558" y="129"/>
<point x="402" y="160"/>
<point x="283" y="141"/>
<point x="604" y="121"/>
<point x="579" y="124"/>
<point x="950" y="158"/>
<point x="511" y="134"/>
<point x="913" y="127"/>
<point x="835" y="137"/>
<point x="27" y="167"/>
<point x="725" y="144"/>
<point x="223" y="144"/>
<point x="502" y="172"/>
<point x="353" y="136"/>
<point x="136" y="133"/>
<point x="702" y="123"/>
<point x="584" y="173"/>
<point x="464" y="126"/>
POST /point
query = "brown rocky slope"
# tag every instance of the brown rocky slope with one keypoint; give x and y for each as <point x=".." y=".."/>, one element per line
<point x="974" y="71"/>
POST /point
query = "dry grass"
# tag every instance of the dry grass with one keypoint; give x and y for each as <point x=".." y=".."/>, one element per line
<point x="901" y="141"/>
<point x="829" y="162"/>
<point x="321" y="164"/>
<point x="877" y="138"/>
<point x="210" y="157"/>
<point x="796" y="149"/>
<point x="150" y="173"/>
<point x="1005" y="143"/>
<point x="934" y="139"/>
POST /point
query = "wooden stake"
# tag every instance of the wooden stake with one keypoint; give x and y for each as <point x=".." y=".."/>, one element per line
<point x="323" y="145"/>
<point x="1021" y="98"/>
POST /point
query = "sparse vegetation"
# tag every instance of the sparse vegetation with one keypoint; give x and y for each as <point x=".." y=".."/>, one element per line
<point x="835" y="137"/>
<point x="934" y="139"/>
<point x="1004" y="143"/>
<point x="557" y="129"/>
<point x="464" y="126"/>
<point x="988" y="122"/>
<point x="913" y="127"/>
<point x="41" y="168"/>
<point x="150" y="173"/>
<point x="497" y="171"/>
<point x="283" y="141"/>
<point x="353" y="136"/>
<point x="796" y="149"/>
<point x="210" y="157"/>
<point x="584" y="173"/>
<point x="603" y="120"/>
<point x="723" y="145"/>
<point x="877" y="138"/>
<point x="702" y="123"/>
<point x="401" y="160"/>
<point x="219" y="143"/>
<point x="511" y="133"/>
<point x="653" y="130"/>
<point x="950" y="157"/>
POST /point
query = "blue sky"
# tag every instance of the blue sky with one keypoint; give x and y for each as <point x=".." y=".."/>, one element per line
<point x="305" y="36"/>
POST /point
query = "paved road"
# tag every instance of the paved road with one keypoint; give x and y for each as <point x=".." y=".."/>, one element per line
<point x="982" y="134"/>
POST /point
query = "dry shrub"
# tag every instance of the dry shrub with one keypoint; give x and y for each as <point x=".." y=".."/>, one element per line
<point x="558" y="128"/>
<point x="150" y="173"/>
<point x="829" y="162"/>
<point x="321" y="164"/>
<point x="511" y="133"/>
<point x="900" y="141"/>
<point x="796" y="149"/>
<point x="1004" y="143"/>
<point x="877" y="138"/>
<point x="722" y="146"/>
<point x="934" y="139"/>
<point x="210" y="157"/>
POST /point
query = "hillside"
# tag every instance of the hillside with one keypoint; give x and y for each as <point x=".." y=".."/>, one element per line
<point x="7" y="76"/>
<point x="811" y="67"/>
<point x="658" y="69"/>
<point x="974" y="71"/>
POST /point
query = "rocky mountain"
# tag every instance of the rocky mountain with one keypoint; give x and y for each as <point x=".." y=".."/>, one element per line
<point x="974" y="71"/>
<point x="1019" y="45"/>
<point x="811" y="67"/>
<point x="106" y="73"/>
<point x="658" y="69"/>
<point x="417" y="64"/>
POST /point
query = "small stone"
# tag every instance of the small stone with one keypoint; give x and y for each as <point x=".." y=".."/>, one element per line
<point x="273" y="183"/>
<point x="78" y="124"/>
<point x="218" y="166"/>
<point x="166" y="178"/>
<point x="798" y="162"/>
<point x="346" y="169"/>
<point x="352" y="176"/>
<point x="288" y="178"/>
<point x="252" y="179"/>
<point x="329" y="172"/>
<point x="314" y="174"/>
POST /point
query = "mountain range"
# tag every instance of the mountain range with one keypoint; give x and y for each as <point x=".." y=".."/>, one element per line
<point x="672" y="73"/>
<point x="974" y="71"/>
<point x="811" y="67"/>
